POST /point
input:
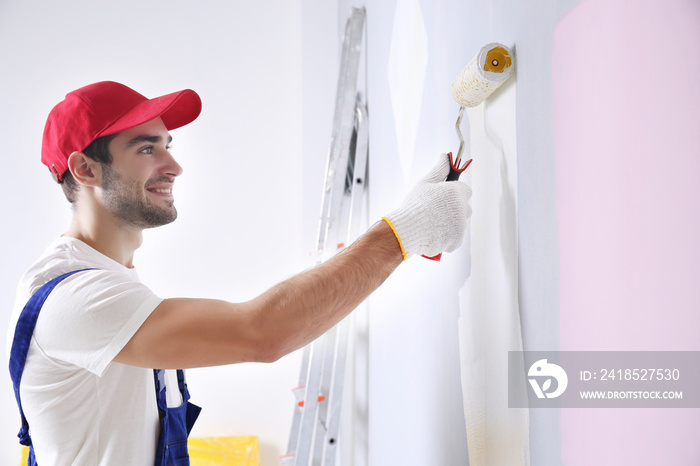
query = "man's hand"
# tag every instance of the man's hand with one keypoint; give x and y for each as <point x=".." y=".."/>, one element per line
<point x="433" y="217"/>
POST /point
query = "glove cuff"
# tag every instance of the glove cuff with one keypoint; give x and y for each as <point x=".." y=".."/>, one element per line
<point x="398" y="238"/>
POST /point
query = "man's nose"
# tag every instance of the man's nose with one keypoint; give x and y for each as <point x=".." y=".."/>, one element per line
<point x="171" y="167"/>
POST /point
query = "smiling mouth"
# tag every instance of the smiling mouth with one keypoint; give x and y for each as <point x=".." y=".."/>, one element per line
<point x="162" y="190"/>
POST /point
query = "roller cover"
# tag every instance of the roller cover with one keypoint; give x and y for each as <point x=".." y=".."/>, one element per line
<point x="490" y="68"/>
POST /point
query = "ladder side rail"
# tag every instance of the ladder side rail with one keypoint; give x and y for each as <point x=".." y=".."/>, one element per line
<point x="307" y="425"/>
<point x="344" y="120"/>
<point x="296" y="419"/>
<point x="326" y="377"/>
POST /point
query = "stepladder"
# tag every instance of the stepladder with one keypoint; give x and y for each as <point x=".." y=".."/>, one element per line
<point x="315" y="432"/>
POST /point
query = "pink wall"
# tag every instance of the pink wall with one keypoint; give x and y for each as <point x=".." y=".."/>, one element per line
<point x="627" y="140"/>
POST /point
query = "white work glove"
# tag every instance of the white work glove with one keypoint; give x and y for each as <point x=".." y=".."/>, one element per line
<point x="433" y="217"/>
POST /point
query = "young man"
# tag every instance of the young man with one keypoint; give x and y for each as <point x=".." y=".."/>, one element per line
<point x="84" y="344"/>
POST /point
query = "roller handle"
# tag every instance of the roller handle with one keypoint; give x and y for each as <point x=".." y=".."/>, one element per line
<point x="454" y="174"/>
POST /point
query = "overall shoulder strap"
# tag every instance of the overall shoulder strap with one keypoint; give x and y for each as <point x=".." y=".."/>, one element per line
<point x="159" y="378"/>
<point x="23" y="336"/>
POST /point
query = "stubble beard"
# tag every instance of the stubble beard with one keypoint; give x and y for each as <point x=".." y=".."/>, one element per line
<point x="126" y="201"/>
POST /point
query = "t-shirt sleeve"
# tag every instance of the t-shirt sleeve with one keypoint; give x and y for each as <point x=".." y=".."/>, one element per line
<point x="90" y="316"/>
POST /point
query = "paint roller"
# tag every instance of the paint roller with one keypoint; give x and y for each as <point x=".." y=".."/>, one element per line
<point x="485" y="73"/>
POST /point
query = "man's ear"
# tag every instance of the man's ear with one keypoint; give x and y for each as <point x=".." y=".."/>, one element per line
<point x="85" y="170"/>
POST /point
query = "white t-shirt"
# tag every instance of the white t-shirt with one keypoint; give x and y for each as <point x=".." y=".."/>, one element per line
<point x="82" y="408"/>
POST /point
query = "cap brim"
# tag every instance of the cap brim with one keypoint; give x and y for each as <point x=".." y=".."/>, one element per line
<point x="176" y="110"/>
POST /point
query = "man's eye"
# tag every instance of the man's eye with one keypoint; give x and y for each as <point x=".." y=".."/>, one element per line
<point x="147" y="150"/>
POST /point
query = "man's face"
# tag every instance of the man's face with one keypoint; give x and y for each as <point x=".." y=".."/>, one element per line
<point x="137" y="186"/>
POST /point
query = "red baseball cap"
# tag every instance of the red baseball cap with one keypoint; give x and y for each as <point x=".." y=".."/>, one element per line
<point x="105" y="108"/>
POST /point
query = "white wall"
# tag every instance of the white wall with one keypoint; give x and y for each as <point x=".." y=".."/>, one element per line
<point x="240" y="199"/>
<point x="416" y="414"/>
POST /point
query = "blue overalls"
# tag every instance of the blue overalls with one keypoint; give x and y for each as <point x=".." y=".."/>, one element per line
<point x="175" y="423"/>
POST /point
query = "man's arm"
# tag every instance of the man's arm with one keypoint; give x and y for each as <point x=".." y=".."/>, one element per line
<point x="184" y="332"/>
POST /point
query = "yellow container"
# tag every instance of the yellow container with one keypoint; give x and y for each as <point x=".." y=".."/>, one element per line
<point x="213" y="451"/>
<point x="224" y="451"/>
